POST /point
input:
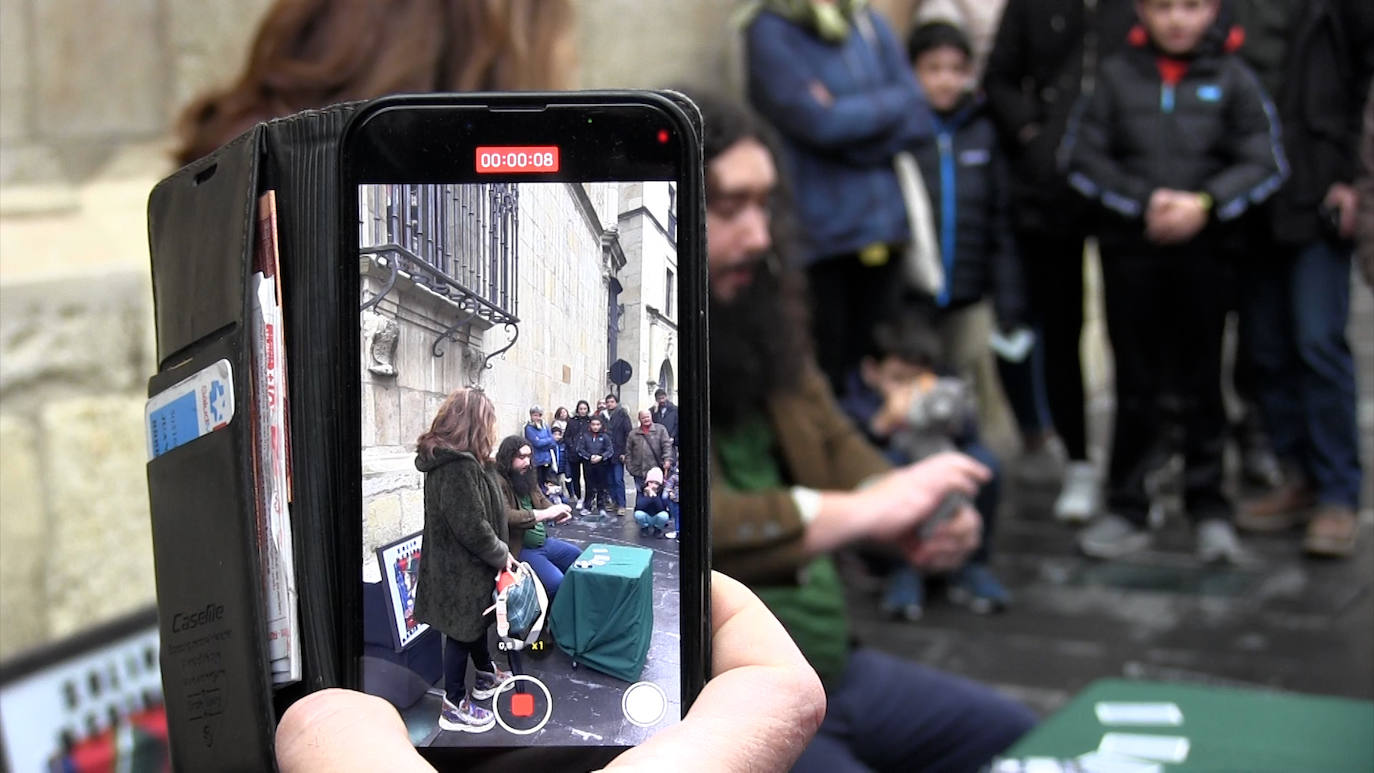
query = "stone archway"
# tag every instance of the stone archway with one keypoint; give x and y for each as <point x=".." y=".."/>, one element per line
<point x="665" y="379"/>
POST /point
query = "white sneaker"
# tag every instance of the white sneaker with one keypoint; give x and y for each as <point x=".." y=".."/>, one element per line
<point x="1078" y="499"/>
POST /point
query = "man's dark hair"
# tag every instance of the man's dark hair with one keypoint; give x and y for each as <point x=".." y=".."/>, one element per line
<point x="936" y="34"/>
<point x="611" y="397"/>
<point x="660" y="393"/>
<point x="521" y="484"/>
<point x="763" y="339"/>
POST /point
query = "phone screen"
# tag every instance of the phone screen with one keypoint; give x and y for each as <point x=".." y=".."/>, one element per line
<point x="525" y="334"/>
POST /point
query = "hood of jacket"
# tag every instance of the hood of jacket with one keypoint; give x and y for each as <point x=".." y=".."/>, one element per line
<point x="442" y="457"/>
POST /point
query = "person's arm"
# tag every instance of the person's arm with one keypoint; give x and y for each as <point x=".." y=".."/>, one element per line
<point x="780" y="88"/>
<point x="917" y="125"/>
<point x="1015" y="110"/>
<point x="461" y="497"/>
<point x="1257" y="167"/>
<point x="1086" y="157"/>
<point x="1364" y="228"/>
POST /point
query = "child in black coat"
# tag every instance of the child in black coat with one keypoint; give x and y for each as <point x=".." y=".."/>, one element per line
<point x="1177" y="141"/>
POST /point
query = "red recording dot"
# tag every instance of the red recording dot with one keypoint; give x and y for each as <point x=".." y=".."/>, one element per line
<point x="663" y="136"/>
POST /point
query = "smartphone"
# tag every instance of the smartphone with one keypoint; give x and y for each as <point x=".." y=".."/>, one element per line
<point x="547" y="250"/>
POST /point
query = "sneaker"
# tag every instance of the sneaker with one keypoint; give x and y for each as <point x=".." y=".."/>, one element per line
<point x="1259" y="467"/>
<point x="581" y="505"/>
<point x="1078" y="498"/>
<point x="1332" y="532"/>
<point x="1277" y="510"/>
<point x="488" y="683"/>
<point x="1112" y="536"/>
<point x="670" y="535"/>
<point x="904" y="595"/>
<point x="1217" y="542"/>
<point x="466" y="717"/>
<point x="974" y="586"/>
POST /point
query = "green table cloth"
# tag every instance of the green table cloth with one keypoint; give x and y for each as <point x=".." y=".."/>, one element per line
<point x="1229" y="729"/>
<point x="603" y="616"/>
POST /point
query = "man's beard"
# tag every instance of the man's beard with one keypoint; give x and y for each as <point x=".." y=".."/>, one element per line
<point x="523" y="483"/>
<point x="759" y="345"/>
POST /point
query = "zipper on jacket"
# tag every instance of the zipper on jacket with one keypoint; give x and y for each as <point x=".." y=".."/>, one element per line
<point x="948" y="213"/>
<point x="1088" y="79"/>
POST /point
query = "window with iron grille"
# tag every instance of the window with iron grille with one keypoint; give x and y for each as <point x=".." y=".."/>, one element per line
<point x="461" y="241"/>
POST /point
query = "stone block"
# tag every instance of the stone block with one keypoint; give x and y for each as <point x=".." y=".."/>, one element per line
<point x="412" y="510"/>
<point x="89" y="334"/>
<point x="26" y="162"/>
<point x="100" y="561"/>
<point x="388" y="415"/>
<point x="381" y="522"/>
<point x="15" y="39"/>
<point x="99" y="72"/>
<point x="23" y="539"/>
<point x="414" y="420"/>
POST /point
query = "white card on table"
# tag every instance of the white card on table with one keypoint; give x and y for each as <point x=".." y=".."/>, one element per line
<point x="1165" y="748"/>
<point x="1097" y="762"/>
<point x="1139" y="713"/>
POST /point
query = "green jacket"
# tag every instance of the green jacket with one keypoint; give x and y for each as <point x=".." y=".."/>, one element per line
<point x="464" y="545"/>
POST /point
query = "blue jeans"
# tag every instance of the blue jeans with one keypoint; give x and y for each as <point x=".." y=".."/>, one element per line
<point x="989" y="495"/>
<point x="675" y="509"/>
<point x="550" y="562"/>
<point x="886" y="713"/>
<point x="1295" y="313"/>
<point x="617" y="482"/>
<point x="656" y="520"/>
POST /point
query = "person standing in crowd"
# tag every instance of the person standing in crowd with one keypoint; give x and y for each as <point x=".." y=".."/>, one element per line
<point x="558" y="456"/>
<point x="465" y="538"/>
<point x="671" y="492"/>
<point x="1177" y="142"/>
<point x="594" y="448"/>
<point x="577" y="427"/>
<point x="647" y="448"/>
<point x="618" y="426"/>
<point x="651" y="506"/>
<point x="1044" y="56"/>
<point x="786" y="469"/>
<point x="540" y="438"/>
<point x="665" y="413"/>
<point x="528" y="512"/>
<point x="966" y="175"/>
<point x="1317" y="59"/>
<point x="831" y="78"/>
<point x="560" y="420"/>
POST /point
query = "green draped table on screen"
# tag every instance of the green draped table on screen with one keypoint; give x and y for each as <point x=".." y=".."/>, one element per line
<point x="603" y="616"/>
<point x="1228" y="729"/>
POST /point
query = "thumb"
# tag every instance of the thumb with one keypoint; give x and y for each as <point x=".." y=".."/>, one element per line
<point x="344" y="730"/>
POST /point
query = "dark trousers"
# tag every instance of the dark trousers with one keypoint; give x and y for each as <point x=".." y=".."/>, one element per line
<point x="597" y="484"/>
<point x="887" y="713"/>
<point x="550" y="562"/>
<point x="456" y="656"/>
<point x="847" y="300"/>
<point x="1024" y="384"/>
<point x="615" y="482"/>
<point x="575" y="476"/>
<point x="1296" y="308"/>
<point x="1166" y="311"/>
<point x="989" y="497"/>
<point x="1054" y="274"/>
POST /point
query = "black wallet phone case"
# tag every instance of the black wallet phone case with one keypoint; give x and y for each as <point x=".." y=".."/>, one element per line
<point x="216" y="673"/>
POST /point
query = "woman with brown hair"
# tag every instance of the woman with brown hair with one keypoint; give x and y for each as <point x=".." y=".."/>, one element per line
<point x="313" y="53"/>
<point x="464" y="547"/>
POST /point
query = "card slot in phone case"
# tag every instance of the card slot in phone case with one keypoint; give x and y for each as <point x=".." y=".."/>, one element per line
<point x="205" y="544"/>
<point x="200" y="273"/>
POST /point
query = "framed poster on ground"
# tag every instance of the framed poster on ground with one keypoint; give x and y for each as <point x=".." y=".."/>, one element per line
<point x="400" y="563"/>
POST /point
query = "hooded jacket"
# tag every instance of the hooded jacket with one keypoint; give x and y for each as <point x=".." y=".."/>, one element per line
<point x="540" y="438"/>
<point x="966" y="179"/>
<point x="464" y="544"/>
<point x="1199" y="124"/>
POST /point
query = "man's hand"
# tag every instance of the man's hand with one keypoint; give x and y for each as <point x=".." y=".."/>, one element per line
<point x="760" y="709"/>
<point x="949" y="547"/>
<point x="892" y="507"/>
<point x="552" y="512"/>
<point x="595" y="459"/>
<point x="1346" y="200"/>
